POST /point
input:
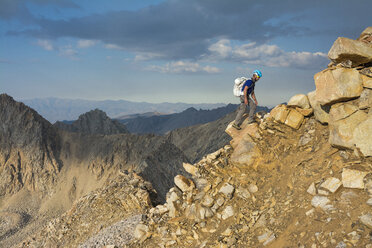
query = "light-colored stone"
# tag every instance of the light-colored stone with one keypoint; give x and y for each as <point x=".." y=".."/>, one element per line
<point x="366" y="35"/>
<point x="227" y="212"/>
<point x="365" y="100"/>
<point x="321" y="113"/>
<point x="362" y="137"/>
<point x="252" y="188"/>
<point x="366" y="219"/>
<point x="294" y="119"/>
<point x="356" y="51"/>
<point x="369" y="202"/>
<point x="246" y="152"/>
<point x="190" y="168"/>
<point x="227" y="189"/>
<point x="367" y="82"/>
<point x="321" y="202"/>
<point x="266" y="238"/>
<point x="336" y="85"/>
<point x="299" y="100"/>
<point x="305" y="112"/>
<point x="183" y="183"/>
<point x="140" y="231"/>
<point x="353" y="178"/>
<point x="312" y="190"/>
<point x="341" y="132"/>
<point x="341" y="111"/>
<point x="331" y="184"/>
<point x="208" y="201"/>
<point x="279" y="113"/>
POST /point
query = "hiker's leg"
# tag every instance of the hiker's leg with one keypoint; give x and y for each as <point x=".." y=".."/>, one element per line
<point x="240" y="112"/>
<point x="252" y="109"/>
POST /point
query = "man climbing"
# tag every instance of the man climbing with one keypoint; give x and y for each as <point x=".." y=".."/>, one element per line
<point x="247" y="89"/>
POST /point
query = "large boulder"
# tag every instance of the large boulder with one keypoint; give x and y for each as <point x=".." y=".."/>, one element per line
<point x="321" y="113"/>
<point x="363" y="137"/>
<point x="336" y="85"/>
<point x="345" y="49"/>
<point x="342" y="110"/>
<point x="280" y="113"/>
<point x="246" y="152"/>
<point x="299" y="100"/>
<point x="294" y="119"/>
<point x="341" y="131"/>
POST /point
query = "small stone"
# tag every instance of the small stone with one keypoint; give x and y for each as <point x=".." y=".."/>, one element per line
<point x="341" y="245"/>
<point x="227" y="232"/>
<point x="140" y="231"/>
<point x="227" y="212"/>
<point x="252" y="188"/>
<point x="208" y="201"/>
<point x="322" y="192"/>
<point x="227" y="189"/>
<point x="266" y="238"/>
<point x="190" y="168"/>
<point x="312" y="190"/>
<point x="331" y="184"/>
<point x="322" y="202"/>
<point x="366" y="219"/>
<point x="353" y="178"/>
<point x="183" y="183"/>
<point x="310" y="212"/>
<point x="369" y="202"/>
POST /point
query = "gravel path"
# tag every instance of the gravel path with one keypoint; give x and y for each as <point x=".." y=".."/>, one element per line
<point x="118" y="234"/>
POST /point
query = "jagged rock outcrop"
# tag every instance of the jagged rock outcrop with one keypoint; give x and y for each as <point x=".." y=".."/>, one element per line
<point x="93" y="122"/>
<point x="29" y="149"/>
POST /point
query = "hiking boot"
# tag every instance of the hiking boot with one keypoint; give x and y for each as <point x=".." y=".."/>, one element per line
<point x="236" y="126"/>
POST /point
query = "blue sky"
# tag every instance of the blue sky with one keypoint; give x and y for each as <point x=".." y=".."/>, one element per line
<point x="169" y="51"/>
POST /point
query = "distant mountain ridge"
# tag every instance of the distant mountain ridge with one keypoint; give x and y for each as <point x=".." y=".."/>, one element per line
<point x="58" y="109"/>
<point x="162" y="124"/>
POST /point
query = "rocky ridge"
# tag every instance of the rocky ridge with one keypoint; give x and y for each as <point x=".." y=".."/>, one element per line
<point x="288" y="181"/>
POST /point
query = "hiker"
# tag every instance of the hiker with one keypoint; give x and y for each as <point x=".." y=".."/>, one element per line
<point x="247" y="89"/>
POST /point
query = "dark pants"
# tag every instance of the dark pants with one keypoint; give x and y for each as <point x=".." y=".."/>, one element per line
<point x="242" y="108"/>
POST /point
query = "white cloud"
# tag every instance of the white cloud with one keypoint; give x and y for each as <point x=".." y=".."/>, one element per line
<point x="86" y="43"/>
<point x="265" y="54"/>
<point x="45" y="44"/>
<point x="147" y="56"/>
<point x="68" y="52"/>
<point x="184" y="67"/>
<point x="113" y="46"/>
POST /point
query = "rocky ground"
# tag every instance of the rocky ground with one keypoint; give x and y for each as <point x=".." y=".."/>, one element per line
<point x="291" y="196"/>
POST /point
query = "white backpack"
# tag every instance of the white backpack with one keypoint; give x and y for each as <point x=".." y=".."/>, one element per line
<point x="238" y="84"/>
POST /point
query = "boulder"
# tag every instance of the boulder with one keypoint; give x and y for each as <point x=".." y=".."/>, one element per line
<point x="279" y="113"/>
<point x="190" y="168"/>
<point x="345" y="49"/>
<point x="299" y="100"/>
<point x="341" y="111"/>
<point x="366" y="219"/>
<point x="365" y="100"/>
<point x="341" y="131"/>
<point x="353" y="178"/>
<point x="362" y="137"/>
<point x="321" y="113"/>
<point x="245" y="152"/>
<point x="367" y="81"/>
<point x="336" y="85"/>
<point x="294" y="119"/>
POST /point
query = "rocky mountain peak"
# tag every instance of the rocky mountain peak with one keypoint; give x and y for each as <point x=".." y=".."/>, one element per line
<point x="94" y="122"/>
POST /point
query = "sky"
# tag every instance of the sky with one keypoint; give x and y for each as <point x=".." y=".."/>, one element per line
<point x="169" y="50"/>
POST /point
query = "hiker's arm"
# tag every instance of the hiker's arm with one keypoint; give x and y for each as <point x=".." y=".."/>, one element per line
<point x="245" y="95"/>
<point x="254" y="98"/>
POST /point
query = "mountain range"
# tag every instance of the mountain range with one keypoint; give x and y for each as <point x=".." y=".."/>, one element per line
<point x="58" y="109"/>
